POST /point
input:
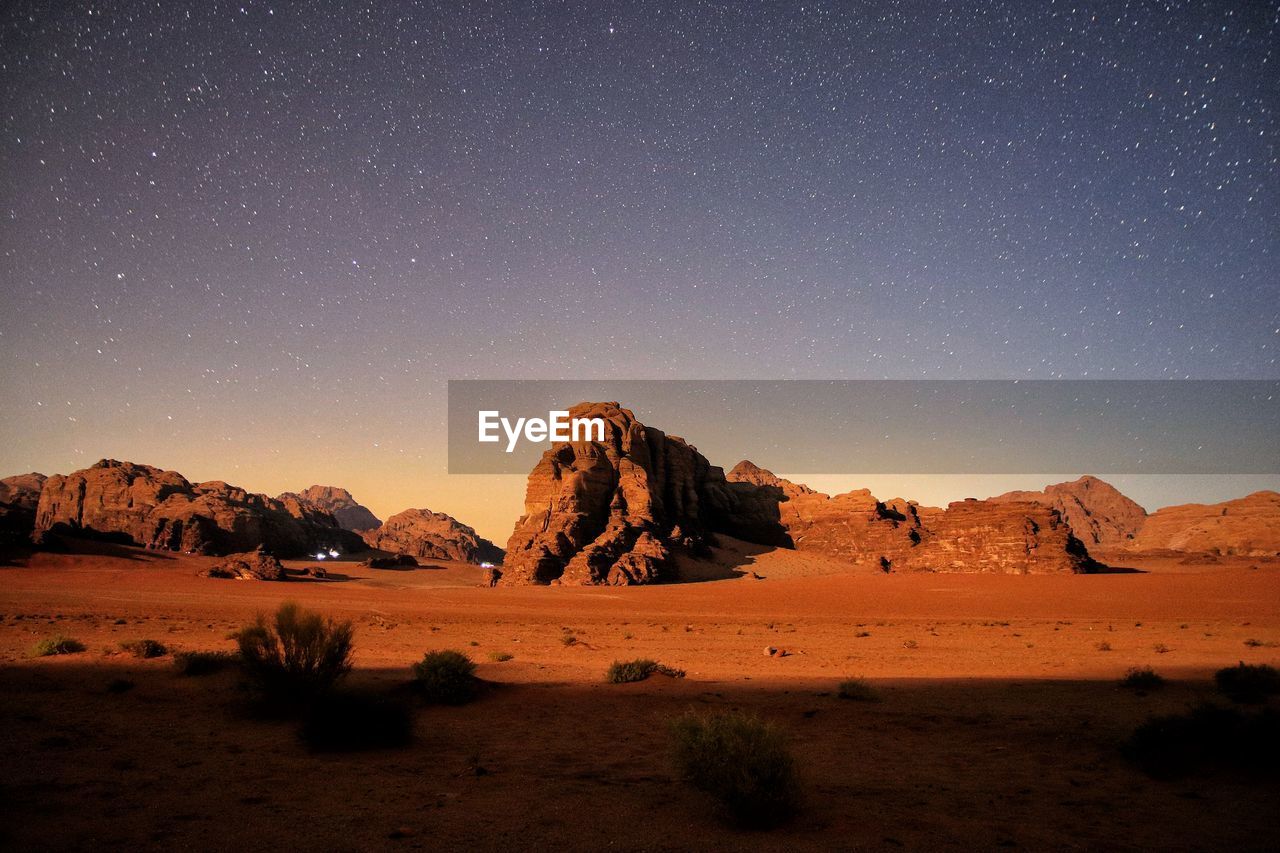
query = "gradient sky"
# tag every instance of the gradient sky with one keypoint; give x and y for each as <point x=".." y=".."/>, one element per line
<point x="252" y="240"/>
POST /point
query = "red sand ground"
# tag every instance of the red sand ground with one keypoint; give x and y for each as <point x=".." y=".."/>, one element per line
<point x="999" y="723"/>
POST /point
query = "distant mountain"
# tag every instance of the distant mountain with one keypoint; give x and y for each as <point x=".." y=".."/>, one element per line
<point x="1248" y="526"/>
<point x="423" y="533"/>
<point x="337" y="502"/>
<point x="142" y="505"/>
<point x="1097" y="511"/>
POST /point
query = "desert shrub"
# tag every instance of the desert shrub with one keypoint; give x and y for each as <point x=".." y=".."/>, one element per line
<point x="741" y="760"/>
<point x="857" y="690"/>
<point x="500" y="657"/>
<point x="145" y="648"/>
<point x="203" y="663"/>
<point x="1207" y="737"/>
<point x="299" y="654"/>
<point x="350" y="720"/>
<point x="1104" y="646"/>
<point x="625" y="672"/>
<point x="446" y="677"/>
<point x="1142" y="679"/>
<point x="1248" y="682"/>
<point x="57" y="645"/>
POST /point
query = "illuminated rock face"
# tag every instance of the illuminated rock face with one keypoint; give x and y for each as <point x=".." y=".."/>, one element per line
<point x="423" y="533"/>
<point x="1248" y="526"/>
<point x="613" y="512"/>
<point x="141" y="505"/>
<point x="610" y="512"/>
<point x="1006" y="537"/>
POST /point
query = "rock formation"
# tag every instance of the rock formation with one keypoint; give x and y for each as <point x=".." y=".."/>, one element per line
<point x="612" y="512"/>
<point x="1248" y="526"/>
<point x="141" y="505"/>
<point x="256" y="565"/>
<point x="1000" y="537"/>
<point x="19" y="497"/>
<point x="336" y="502"/>
<point x="899" y="535"/>
<point x="1099" y="514"/>
<point x="434" y="535"/>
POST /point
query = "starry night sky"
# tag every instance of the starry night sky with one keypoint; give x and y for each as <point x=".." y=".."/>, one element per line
<point x="252" y="240"/>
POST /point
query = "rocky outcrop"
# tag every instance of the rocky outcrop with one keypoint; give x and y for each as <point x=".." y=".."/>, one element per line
<point x="610" y="512"/>
<point x="434" y="535"/>
<point x="853" y="526"/>
<point x="141" y="505"/>
<point x="1248" y="526"/>
<point x="338" y="503"/>
<point x="19" y="497"/>
<point x="256" y="565"/>
<point x="613" y="512"/>
<point x="899" y="535"/>
<point x="996" y="537"/>
<point x="1098" y="513"/>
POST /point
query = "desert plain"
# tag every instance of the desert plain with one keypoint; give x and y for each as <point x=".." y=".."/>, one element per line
<point x="997" y="723"/>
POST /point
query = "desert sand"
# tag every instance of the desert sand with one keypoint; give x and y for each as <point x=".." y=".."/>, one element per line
<point x="999" y="722"/>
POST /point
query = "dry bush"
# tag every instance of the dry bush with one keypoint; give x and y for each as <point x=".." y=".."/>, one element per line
<point x="446" y="677"/>
<point x="297" y="655"/>
<point x="57" y="645"/>
<point x="741" y="760"/>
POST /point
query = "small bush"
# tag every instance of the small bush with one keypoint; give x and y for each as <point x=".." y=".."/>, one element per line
<point x="857" y="690"/>
<point x="298" y="655"/>
<point x="446" y="677"/>
<point x="500" y="657"/>
<point x="348" y="721"/>
<point x="145" y="648"/>
<point x="626" y="672"/>
<point x="1142" y="679"/>
<point x="741" y="760"/>
<point x="57" y="645"/>
<point x="1207" y="737"/>
<point x="1248" y="683"/>
<point x="569" y="640"/>
<point x="1104" y="646"/>
<point x="203" y="663"/>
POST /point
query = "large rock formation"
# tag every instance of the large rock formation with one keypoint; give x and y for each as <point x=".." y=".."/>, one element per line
<point x="1248" y="526"/>
<point x="19" y="497"/>
<point x="141" y="505"/>
<point x="1000" y="537"/>
<point x="1099" y="514"/>
<point x="423" y="533"/>
<point x="336" y="502"/>
<point x="611" y="512"/>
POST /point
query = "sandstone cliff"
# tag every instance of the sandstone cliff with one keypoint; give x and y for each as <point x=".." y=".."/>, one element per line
<point x="610" y="512"/>
<point x="141" y="505"/>
<point x="1248" y="526"/>
<point x="423" y="533"/>
<point x="337" y="502"/>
